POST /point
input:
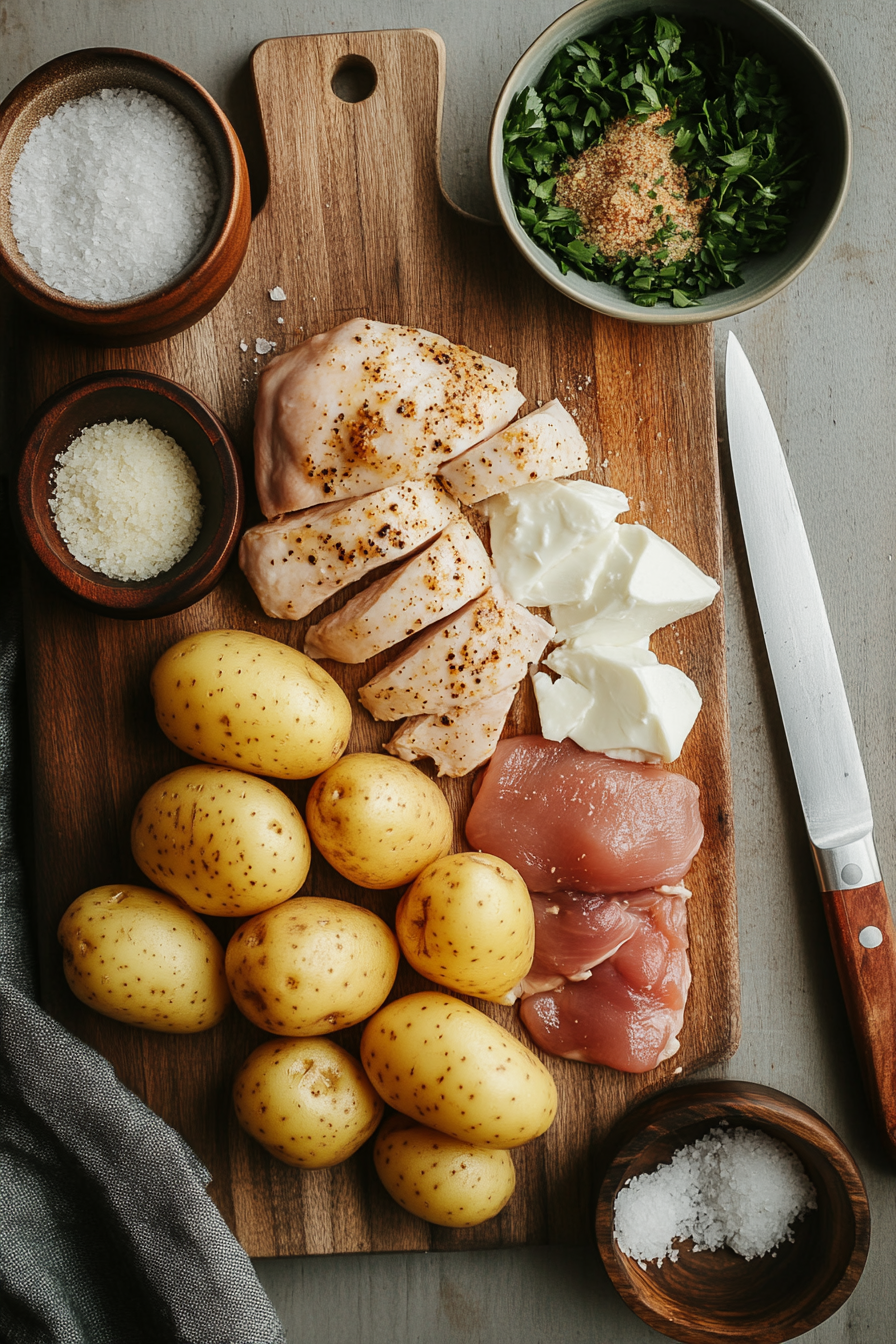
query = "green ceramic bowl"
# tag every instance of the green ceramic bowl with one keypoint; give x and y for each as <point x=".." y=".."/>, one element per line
<point x="817" y="93"/>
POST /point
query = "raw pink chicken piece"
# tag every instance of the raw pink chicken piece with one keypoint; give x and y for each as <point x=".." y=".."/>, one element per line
<point x="629" y="1011"/>
<point x="298" y="562"/>
<point x="459" y="739"/>
<point x="452" y="571"/>
<point x="480" y="650"/>
<point x="574" y="932"/>
<point x="368" y="404"/>
<point x="540" y="446"/>
<point x="572" y="819"/>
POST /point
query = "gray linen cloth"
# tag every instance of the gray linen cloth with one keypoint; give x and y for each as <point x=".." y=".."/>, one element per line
<point x="107" y="1234"/>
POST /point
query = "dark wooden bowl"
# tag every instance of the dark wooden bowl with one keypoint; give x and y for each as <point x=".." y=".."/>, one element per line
<point x="126" y="395"/>
<point x="708" y="1296"/>
<point x="195" y="291"/>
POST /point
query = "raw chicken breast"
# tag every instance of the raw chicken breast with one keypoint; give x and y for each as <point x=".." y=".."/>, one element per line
<point x="572" y="819"/>
<point x="295" y="564"/>
<point x="629" y="1011"/>
<point x="458" y="740"/>
<point x="468" y="657"/>
<point x="449" y="573"/>
<point x="541" y="446"/>
<point x="575" y="931"/>
<point x="367" y="405"/>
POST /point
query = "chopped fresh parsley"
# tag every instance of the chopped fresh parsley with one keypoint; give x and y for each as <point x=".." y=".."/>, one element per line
<point x="736" y="134"/>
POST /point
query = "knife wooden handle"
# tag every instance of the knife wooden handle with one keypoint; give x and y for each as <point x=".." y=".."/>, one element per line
<point x="864" y="942"/>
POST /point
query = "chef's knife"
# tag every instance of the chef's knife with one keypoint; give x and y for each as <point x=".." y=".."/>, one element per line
<point x="820" y="733"/>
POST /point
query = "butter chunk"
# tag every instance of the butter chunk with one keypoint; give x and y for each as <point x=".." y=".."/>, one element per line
<point x="621" y="701"/>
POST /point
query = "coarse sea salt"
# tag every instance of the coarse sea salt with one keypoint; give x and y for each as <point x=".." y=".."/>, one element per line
<point x="740" y="1188"/>
<point x="126" y="502"/>
<point x="112" y="195"/>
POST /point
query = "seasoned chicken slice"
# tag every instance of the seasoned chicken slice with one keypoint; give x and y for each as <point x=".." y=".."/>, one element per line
<point x="470" y="656"/>
<point x="296" y="563"/>
<point x="453" y="570"/>
<point x="541" y="446"/>
<point x="459" y="739"/>
<point x="367" y="405"/>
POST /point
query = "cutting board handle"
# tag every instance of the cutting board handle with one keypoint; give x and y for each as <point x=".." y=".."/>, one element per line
<point x="353" y="185"/>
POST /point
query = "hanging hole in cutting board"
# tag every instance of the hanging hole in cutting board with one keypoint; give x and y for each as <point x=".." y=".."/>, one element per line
<point x="354" y="79"/>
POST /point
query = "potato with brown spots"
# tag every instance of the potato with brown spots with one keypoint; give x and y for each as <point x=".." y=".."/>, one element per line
<point x="137" y="955"/>
<point x="308" y="1102"/>
<point x="467" y="923"/>
<point x="311" y="966"/>
<point x="439" y="1178"/>
<point x="224" y="842"/>
<point x="378" y="821"/>
<point x="446" y="1064"/>
<point x="233" y="698"/>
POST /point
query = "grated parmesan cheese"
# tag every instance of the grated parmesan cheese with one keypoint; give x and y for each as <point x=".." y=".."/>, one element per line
<point x="739" y="1188"/>
<point x="126" y="500"/>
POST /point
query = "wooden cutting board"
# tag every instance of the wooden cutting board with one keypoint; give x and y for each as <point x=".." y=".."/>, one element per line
<point x="356" y="223"/>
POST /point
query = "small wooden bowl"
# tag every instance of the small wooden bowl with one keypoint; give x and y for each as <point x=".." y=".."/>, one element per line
<point x="126" y="395"/>
<point x="710" y="1296"/>
<point x="186" y="297"/>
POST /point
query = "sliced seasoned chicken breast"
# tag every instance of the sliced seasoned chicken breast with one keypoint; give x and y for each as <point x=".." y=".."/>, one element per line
<point x="479" y="651"/>
<point x="458" y="740"/>
<point x="540" y="446"/>
<point x="451" y="571"/>
<point x="367" y="405"/>
<point x="296" y="563"/>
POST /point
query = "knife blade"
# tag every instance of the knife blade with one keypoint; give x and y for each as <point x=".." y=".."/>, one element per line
<point x="820" y="733"/>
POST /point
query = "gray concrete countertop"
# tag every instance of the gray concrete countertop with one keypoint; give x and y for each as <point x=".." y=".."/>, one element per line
<point x="825" y="353"/>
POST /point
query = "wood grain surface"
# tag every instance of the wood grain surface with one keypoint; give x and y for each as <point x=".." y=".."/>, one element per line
<point x="356" y="223"/>
<point x="868" y="981"/>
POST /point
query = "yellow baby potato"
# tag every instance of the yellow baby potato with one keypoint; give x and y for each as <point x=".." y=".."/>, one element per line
<point x="449" y="1066"/>
<point x="467" y="923"/>
<point x="377" y="820"/>
<point x="234" y="698"/>
<point x="439" y="1178"/>
<point x="311" y="966"/>
<point x="224" y="842"/>
<point x="308" y="1102"/>
<point x="137" y="955"/>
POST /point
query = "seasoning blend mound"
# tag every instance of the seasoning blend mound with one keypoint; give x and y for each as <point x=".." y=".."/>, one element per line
<point x="112" y="195"/>
<point x="127" y="501"/>
<point x="739" y="1188"/>
<point x="631" y="197"/>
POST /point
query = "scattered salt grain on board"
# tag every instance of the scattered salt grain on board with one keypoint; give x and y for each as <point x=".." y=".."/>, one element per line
<point x="277" y="294"/>
<point x="112" y="195"/>
<point x="263" y="347"/>
<point x="126" y="501"/>
<point x="739" y="1188"/>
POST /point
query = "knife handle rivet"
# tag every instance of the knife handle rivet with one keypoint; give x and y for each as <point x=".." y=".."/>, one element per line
<point x="870" y="936"/>
<point x="851" y="876"/>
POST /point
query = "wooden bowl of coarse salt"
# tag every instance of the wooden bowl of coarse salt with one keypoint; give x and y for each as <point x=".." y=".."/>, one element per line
<point x="130" y="494"/>
<point x="731" y="1211"/>
<point x="124" y="196"/>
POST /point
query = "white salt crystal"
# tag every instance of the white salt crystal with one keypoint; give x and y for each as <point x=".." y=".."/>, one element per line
<point x="243" y="345"/>
<point x="263" y="347"/>
<point x="740" y="1188"/>
<point x="277" y="294"/>
<point x="126" y="500"/>
<point x="112" y="196"/>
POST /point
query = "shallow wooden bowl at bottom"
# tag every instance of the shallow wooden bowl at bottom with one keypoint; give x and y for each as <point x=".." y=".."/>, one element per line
<point x="709" y="1296"/>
